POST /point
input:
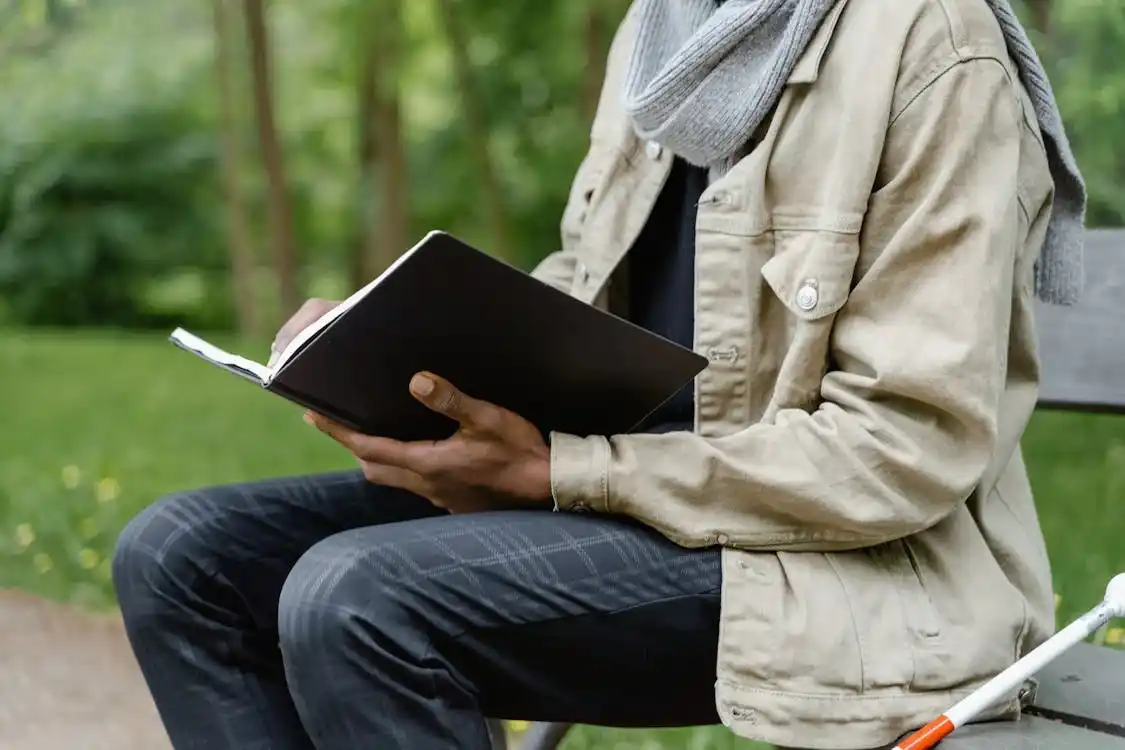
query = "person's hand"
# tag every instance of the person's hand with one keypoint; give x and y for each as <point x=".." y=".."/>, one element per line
<point x="309" y="313"/>
<point x="496" y="459"/>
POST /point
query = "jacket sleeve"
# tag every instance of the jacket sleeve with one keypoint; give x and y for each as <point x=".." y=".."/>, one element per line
<point x="907" y="421"/>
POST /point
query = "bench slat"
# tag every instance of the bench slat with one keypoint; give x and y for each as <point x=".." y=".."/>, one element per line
<point x="1082" y="348"/>
<point x="1088" y="682"/>
<point x="1029" y="733"/>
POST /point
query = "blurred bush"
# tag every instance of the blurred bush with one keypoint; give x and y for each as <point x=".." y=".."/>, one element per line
<point x="111" y="207"/>
<point x="98" y="203"/>
<point x="107" y="169"/>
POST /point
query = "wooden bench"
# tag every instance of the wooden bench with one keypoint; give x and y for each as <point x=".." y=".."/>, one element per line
<point x="1078" y="702"/>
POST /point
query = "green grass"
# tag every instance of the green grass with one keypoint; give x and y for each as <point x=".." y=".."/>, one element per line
<point x="95" y="426"/>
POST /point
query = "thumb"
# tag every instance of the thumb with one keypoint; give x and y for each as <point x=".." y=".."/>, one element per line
<point x="441" y="396"/>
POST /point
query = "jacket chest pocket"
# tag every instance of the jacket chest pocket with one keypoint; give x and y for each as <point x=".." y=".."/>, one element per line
<point x="809" y="278"/>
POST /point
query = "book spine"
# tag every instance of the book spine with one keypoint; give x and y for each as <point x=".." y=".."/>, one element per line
<point x="350" y="421"/>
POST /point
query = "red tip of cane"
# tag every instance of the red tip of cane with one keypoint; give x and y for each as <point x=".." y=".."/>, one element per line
<point x="928" y="736"/>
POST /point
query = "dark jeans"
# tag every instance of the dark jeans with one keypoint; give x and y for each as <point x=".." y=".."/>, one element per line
<point x="324" y="612"/>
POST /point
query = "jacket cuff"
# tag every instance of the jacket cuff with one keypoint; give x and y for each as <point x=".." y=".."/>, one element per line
<point x="580" y="472"/>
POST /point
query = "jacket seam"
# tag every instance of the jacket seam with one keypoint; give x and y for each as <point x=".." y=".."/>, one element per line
<point x="855" y="622"/>
<point x="1031" y="125"/>
<point x="949" y="65"/>
<point x="1025" y="626"/>
<point x="927" y="78"/>
<point x="953" y="35"/>
<point x="939" y="69"/>
<point x="897" y="693"/>
<point x="1023" y="208"/>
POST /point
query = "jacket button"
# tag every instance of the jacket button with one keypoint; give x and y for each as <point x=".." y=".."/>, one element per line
<point x="654" y="150"/>
<point x="807" y="295"/>
<point x="722" y="539"/>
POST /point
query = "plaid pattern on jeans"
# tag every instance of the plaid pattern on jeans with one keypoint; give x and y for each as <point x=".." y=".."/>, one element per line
<point x="324" y="612"/>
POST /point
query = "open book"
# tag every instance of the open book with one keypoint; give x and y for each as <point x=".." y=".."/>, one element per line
<point x="492" y="330"/>
<point x="264" y="374"/>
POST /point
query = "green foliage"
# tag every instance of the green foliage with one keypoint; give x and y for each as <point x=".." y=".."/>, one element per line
<point x="106" y="179"/>
<point x="81" y="454"/>
<point x="112" y="141"/>
<point x="1089" y="78"/>
<point x="696" y="738"/>
<point x="528" y="63"/>
<point x="88" y="217"/>
<point x="108" y="184"/>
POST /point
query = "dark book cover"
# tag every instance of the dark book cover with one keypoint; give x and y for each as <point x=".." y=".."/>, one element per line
<point x="492" y="330"/>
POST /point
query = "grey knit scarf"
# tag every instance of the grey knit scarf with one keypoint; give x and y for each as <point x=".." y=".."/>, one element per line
<point x="705" y="73"/>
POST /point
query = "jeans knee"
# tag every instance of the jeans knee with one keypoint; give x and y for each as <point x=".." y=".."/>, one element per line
<point x="333" y="596"/>
<point x="159" y="556"/>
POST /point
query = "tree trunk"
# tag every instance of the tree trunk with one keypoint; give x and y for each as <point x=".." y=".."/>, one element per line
<point x="476" y="123"/>
<point x="1041" y="16"/>
<point x="596" y="49"/>
<point x="367" y="157"/>
<point x="239" y="244"/>
<point x="280" y="208"/>
<point x="52" y="11"/>
<point x="390" y="237"/>
<point x="384" y="180"/>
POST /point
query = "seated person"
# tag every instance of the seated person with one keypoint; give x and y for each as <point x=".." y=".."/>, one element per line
<point x="848" y="207"/>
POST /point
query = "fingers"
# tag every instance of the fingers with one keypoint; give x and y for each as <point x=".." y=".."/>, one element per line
<point x="310" y="312"/>
<point x="393" y="476"/>
<point x="441" y="396"/>
<point x="367" y="447"/>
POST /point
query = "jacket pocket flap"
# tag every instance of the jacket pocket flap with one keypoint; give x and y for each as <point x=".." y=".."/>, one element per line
<point x="811" y="271"/>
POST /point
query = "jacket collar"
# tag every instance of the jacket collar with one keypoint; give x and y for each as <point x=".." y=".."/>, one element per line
<point x="807" y="68"/>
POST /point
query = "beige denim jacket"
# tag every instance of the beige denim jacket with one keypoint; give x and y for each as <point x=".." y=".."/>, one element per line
<point x="864" y="295"/>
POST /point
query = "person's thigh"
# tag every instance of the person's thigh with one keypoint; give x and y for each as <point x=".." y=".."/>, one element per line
<point x="198" y="575"/>
<point x="534" y="615"/>
<point x="231" y="546"/>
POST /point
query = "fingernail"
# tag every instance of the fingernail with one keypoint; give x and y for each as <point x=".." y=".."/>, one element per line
<point x="309" y="417"/>
<point x="422" y="385"/>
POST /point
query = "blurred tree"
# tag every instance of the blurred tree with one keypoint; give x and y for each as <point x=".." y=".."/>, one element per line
<point x="106" y="168"/>
<point x="478" y="128"/>
<point x="384" y="224"/>
<point x="1040" y="12"/>
<point x="243" y="263"/>
<point x="601" y="20"/>
<point x="280" y="208"/>
<point x="388" y="118"/>
<point x="597" y="31"/>
<point x="1088" y="73"/>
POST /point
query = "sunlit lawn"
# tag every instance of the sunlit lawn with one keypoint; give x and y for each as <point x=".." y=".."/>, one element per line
<point x="96" y="425"/>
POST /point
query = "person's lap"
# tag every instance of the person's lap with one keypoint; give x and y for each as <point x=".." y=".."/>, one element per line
<point x="400" y="624"/>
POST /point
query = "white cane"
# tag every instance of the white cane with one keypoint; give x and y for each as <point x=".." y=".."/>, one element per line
<point x="1011" y="678"/>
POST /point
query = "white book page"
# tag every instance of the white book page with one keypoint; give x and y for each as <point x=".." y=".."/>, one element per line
<point x="215" y="354"/>
<point x="325" y="320"/>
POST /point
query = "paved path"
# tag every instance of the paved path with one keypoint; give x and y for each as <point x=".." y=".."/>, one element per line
<point x="68" y="681"/>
